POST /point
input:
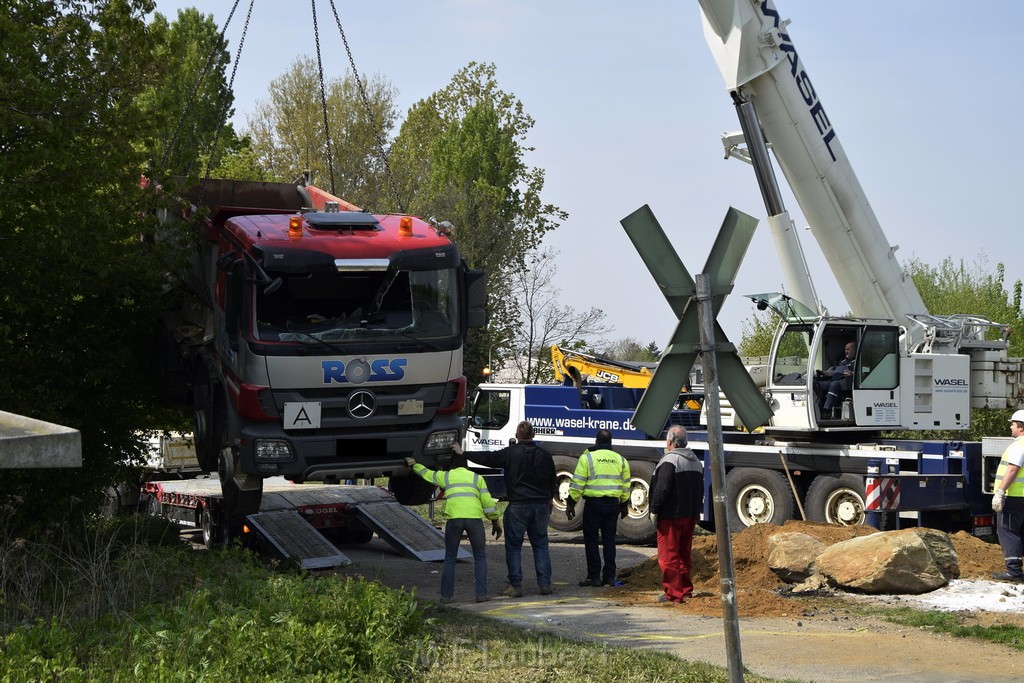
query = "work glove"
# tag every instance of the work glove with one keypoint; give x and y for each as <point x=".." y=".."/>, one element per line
<point x="654" y="519"/>
<point x="409" y="462"/>
<point x="998" y="498"/>
<point x="623" y="510"/>
<point x="570" y="508"/>
<point x="496" y="528"/>
<point x="456" y="448"/>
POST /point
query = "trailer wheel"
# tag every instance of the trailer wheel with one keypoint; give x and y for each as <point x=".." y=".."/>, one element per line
<point x="564" y="467"/>
<point x="210" y="530"/>
<point x="637" y="527"/>
<point x="757" y="496"/>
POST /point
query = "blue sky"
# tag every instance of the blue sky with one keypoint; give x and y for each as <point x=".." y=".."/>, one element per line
<point x="926" y="97"/>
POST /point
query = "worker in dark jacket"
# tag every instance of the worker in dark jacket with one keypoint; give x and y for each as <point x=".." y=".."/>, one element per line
<point x="677" y="496"/>
<point x="530" y="488"/>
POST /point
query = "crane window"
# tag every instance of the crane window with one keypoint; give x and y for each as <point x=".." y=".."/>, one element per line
<point x="791" y="356"/>
<point x="878" y="359"/>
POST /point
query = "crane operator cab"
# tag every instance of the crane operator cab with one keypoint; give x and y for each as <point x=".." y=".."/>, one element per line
<point x="829" y="373"/>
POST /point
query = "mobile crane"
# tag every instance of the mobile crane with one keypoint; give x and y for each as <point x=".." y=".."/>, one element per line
<point x="913" y="370"/>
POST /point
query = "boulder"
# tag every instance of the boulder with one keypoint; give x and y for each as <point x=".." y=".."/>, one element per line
<point x="792" y="554"/>
<point x="905" y="561"/>
<point x="812" y="584"/>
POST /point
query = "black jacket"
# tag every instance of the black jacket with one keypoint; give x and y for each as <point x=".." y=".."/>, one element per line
<point x="529" y="471"/>
<point x="677" y="485"/>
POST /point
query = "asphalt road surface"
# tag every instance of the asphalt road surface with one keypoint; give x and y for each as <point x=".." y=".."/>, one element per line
<point x="825" y="647"/>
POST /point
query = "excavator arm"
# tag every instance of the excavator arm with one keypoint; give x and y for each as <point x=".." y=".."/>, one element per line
<point x="577" y="368"/>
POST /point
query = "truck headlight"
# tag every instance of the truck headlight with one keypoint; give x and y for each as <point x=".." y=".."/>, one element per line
<point x="438" y="442"/>
<point x="272" y="449"/>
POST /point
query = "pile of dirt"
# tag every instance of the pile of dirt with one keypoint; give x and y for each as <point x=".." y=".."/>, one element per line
<point x="758" y="591"/>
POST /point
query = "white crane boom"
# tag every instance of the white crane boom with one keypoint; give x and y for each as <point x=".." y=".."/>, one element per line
<point x="756" y="56"/>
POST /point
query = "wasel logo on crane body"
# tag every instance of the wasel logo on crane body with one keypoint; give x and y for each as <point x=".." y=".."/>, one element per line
<point x="359" y="370"/>
<point x="803" y="82"/>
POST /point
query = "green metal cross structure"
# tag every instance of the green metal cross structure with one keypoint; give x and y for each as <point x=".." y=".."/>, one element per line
<point x="683" y="349"/>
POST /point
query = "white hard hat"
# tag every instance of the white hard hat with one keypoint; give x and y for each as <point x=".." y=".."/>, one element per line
<point x="1018" y="416"/>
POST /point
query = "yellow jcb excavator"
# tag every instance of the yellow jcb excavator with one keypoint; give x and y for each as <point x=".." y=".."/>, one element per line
<point x="578" y="368"/>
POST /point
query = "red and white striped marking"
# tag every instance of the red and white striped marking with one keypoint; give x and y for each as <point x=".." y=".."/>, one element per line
<point x="882" y="493"/>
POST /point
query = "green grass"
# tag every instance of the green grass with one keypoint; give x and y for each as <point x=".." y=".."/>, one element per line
<point x="957" y="625"/>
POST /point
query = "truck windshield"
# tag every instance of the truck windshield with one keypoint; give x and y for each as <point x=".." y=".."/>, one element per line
<point x="361" y="305"/>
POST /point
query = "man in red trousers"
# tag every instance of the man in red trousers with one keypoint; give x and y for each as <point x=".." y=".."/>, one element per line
<point x="677" y="496"/>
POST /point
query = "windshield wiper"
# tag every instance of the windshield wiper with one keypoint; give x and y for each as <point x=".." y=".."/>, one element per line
<point x="420" y="342"/>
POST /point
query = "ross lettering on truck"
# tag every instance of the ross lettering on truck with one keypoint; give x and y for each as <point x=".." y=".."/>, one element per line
<point x="803" y="82"/>
<point x="359" y="371"/>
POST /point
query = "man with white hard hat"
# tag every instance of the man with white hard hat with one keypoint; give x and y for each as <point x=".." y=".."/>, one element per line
<point x="1008" y="502"/>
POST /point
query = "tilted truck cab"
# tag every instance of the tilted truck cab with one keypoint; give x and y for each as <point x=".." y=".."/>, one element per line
<point x="324" y="343"/>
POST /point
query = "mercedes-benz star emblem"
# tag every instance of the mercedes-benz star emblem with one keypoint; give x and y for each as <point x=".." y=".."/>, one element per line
<point x="361" y="404"/>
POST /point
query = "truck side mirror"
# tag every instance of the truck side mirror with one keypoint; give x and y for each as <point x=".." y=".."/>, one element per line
<point x="476" y="298"/>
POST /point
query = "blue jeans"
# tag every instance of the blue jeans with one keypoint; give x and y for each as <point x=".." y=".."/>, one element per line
<point x="600" y="515"/>
<point x="453" y="530"/>
<point x="527" y="519"/>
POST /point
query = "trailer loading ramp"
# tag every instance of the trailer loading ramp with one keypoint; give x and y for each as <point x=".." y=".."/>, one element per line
<point x="295" y="538"/>
<point x="407" y="532"/>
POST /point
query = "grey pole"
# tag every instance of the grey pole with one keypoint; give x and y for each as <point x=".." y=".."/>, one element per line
<point x="730" y="616"/>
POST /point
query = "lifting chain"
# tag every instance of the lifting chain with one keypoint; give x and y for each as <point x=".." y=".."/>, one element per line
<point x="323" y="97"/>
<point x="377" y="134"/>
<point x="378" y="138"/>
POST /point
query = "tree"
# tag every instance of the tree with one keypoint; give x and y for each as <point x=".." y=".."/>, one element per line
<point x="460" y="156"/>
<point x="957" y="288"/>
<point x="544" y="321"/>
<point x="240" y="162"/>
<point x="288" y="134"/>
<point x="188" y="99"/>
<point x="757" y="334"/>
<point x="81" y="291"/>
<point x="630" y="350"/>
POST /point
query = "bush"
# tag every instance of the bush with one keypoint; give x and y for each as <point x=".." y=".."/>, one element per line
<point x="84" y="569"/>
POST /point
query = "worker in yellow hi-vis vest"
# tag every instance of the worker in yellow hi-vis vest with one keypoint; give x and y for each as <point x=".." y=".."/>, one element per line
<point x="466" y="501"/>
<point x="1008" y="502"/>
<point x="602" y="478"/>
